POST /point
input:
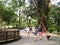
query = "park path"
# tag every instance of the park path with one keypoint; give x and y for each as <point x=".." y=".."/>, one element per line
<point x="31" y="41"/>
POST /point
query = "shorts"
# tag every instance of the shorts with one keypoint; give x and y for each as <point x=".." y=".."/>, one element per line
<point x="40" y="33"/>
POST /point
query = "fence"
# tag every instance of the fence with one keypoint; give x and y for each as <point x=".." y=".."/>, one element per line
<point x="8" y="35"/>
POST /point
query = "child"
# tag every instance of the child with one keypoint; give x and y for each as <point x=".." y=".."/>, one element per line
<point x="34" y="31"/>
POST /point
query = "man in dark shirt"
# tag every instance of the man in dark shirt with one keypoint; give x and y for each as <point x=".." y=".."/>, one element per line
<point x="40" y="31"/>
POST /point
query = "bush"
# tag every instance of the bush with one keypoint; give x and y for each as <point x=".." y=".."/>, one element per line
<point x="52" y="29"/>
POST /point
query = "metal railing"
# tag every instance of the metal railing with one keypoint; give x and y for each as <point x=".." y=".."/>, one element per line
<point x="8" y="35"/>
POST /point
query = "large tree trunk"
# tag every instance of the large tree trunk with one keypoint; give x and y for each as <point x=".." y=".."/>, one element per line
<point x="43" y="22"/>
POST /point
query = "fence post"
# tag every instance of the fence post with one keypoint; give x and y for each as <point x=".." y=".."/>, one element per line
<point x="14" y="34"/>
<point x="18" y="33"/>
<point x="6" y="35"/>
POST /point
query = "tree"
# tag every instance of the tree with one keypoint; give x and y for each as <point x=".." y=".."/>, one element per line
<point x="7" y="15"/>
<point x="16" y="5"/>
<point x="55" y="14"/>
<point x="42" y="7"/>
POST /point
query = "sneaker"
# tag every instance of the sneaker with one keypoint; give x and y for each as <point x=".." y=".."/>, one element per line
<point x="48" y="37"/>
<point x="40" y="39"/>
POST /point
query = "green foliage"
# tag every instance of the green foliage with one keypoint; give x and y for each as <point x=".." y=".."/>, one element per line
<point x="7" y="15"/>
<point x="53" y="19"/>
<point x="42" y="6"/>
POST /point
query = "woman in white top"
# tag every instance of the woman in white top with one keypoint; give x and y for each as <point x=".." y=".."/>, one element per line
<point x="27" y="28"/>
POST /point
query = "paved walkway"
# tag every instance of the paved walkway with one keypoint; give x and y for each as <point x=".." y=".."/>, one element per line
<point x="31" y="41"/>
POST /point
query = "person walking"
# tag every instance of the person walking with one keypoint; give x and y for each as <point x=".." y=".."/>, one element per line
<point x="40" y="31"/>
<point x="27" y="28"/>
<point x="34" y="31"/>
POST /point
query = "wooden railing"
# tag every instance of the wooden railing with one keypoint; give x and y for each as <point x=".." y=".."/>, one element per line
<point x="9" y="35"/>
